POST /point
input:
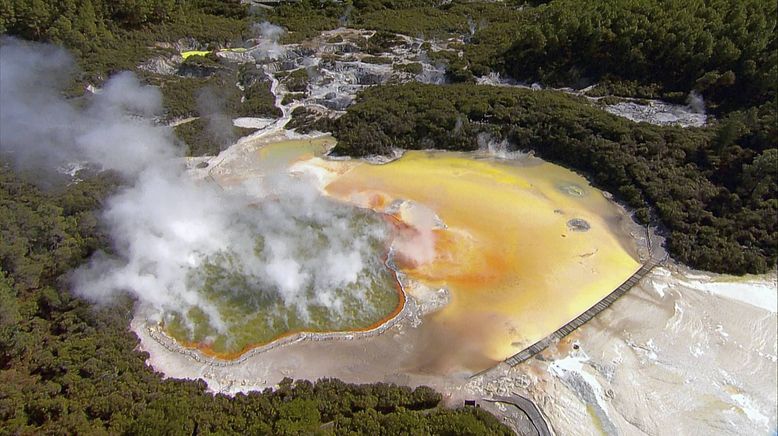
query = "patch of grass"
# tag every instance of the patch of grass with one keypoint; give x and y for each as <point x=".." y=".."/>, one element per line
<point x="429" y="22"/>
<point x="296" y="81"/>
<point x="199" y="139"/>
<point x="179" y="93"/>
<point x="292" y="97"/>
<point x="305" y="120"/>
<point x="412" y="68"/>
<point x="187" y="54"/>
<point x="258" y="101"/>
<point x="201" y="65"/>
<point x="378" y="60"/>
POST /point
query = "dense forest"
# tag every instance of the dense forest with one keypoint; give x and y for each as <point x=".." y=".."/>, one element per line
<point x="725" y="50"/>
<point x="714" y="189"/>
<point x="69" y="368"/>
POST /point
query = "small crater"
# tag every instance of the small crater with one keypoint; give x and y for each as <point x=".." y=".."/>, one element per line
<point x="573" y="190"/>
<point x="578" y="225"/>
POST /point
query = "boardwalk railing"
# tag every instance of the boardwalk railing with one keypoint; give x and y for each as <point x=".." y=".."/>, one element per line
<point x="580" y="320"/>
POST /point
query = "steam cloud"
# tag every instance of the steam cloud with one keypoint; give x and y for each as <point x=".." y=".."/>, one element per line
<point x="696" y="102"/>
<point x="165" y="226"/>
<point x="211" y="106"/>
<point x="417" y="246"/>
<point x="344" y="19"/>
<point x="40" y="129"/>
<point x="499" y="148"/>
<point x="268" y="48"/>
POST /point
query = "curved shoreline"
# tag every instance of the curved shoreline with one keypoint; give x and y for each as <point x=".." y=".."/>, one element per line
<point x="199" y="354"/>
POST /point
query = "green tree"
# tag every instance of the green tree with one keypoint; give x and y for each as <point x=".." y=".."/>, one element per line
<point x="86" y="21"/>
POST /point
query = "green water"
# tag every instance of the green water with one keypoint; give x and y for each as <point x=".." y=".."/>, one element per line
<point x="253" y="314"/>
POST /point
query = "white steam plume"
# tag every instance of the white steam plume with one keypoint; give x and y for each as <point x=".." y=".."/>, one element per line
<point x="499" y="148"/>
<point x="344" y="18"/>
<point x="269" y="36"/>
<point x="417" y="247"/>
<point x="166" y="228"/>
<point x="40" y="129"/>
<point x="696" y="102"/>
<point x="211" y="106"/>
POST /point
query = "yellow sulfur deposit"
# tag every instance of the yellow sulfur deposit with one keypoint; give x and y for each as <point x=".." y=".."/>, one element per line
<point x="515" y="265"/>
<point x="188" y="53"/>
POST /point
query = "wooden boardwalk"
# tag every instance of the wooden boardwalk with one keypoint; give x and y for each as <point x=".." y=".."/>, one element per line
<point x="603" y="304"/>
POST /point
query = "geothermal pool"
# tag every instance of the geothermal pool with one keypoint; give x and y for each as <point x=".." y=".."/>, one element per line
<point x="274" y="281"/>
<point x="520" y="246"/>
<point x="515" y="267"/>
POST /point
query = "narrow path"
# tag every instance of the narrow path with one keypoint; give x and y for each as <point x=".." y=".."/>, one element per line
<point x="581" y="319"/>
<point x="528" y="407"/>
<point x="656" y="256"/>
